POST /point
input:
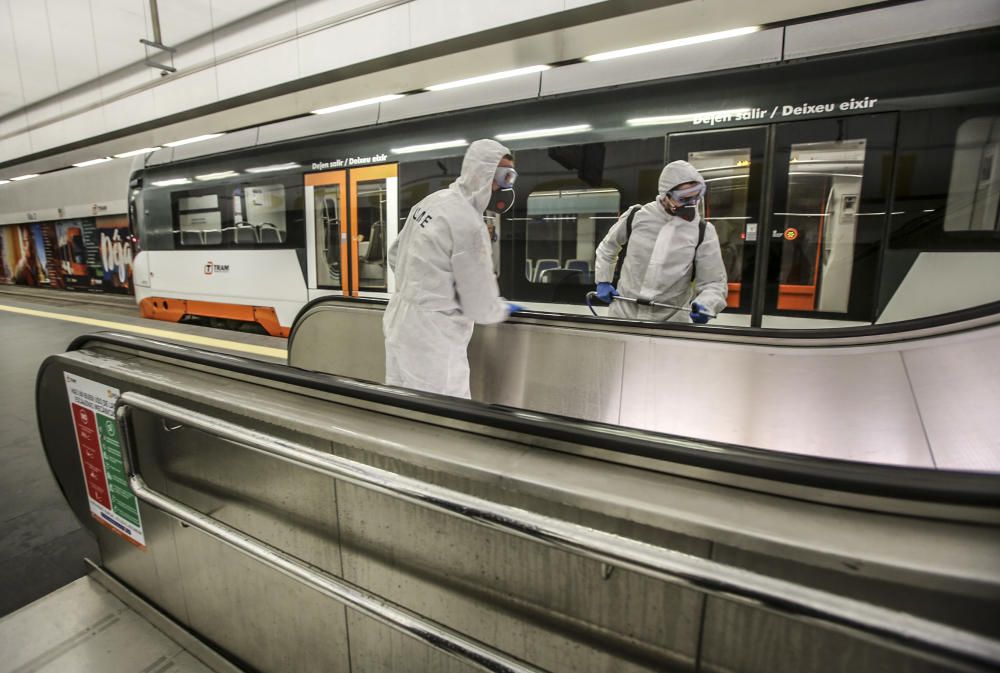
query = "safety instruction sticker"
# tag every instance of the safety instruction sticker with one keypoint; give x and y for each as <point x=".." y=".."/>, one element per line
<point x="112" y="502"/>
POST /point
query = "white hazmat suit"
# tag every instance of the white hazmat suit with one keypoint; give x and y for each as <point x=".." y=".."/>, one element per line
<point x="659" y="257"/>
<point x="444" y="281"/>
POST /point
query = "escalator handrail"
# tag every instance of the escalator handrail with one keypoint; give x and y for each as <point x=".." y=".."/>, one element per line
<point x="428" y="631"/>
<point x="847" y="336"/>
<point x="894" y="628"/>
<point x="891" y="481"/>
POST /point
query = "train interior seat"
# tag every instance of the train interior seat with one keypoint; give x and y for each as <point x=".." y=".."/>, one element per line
<point x="543" y="265"/>
<point x="269" y="233"/>
<point x="191" y="237"/>
<point x="245" y="234"/>
<point x="552" y="276"/>
<point x="529" y="265"/>
<point x="374" y="254"/>
<point x="581" y="265"/>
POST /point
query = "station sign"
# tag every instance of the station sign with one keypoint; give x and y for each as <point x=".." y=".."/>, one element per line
<point x="349" y="162"/>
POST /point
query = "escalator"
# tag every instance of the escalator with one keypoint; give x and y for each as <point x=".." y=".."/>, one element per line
<point x="294" y="520"/>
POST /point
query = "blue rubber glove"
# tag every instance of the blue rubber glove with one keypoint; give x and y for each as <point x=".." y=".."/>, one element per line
<point x="513" y="308"/>
<point x="697" y="314"/>
<point x="605" y="291"/>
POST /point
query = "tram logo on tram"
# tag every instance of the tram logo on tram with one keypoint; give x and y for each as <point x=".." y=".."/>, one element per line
<point x="211" y="268"/>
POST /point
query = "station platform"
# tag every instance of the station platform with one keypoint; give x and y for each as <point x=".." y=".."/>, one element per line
<point x="42" y="546"/>
<point x="86" y="626"/>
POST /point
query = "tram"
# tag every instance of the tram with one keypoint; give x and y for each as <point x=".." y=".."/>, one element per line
<point x="836" y="185"/>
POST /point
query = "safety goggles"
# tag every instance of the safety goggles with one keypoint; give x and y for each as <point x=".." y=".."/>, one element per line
<point x="687" y="197"/>
<point x="505" y="176"/>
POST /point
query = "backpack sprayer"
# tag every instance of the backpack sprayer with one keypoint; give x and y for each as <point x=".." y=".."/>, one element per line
<point x="644" y="302"/>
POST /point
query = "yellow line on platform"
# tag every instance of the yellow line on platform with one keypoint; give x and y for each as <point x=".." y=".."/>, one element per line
<point x="279" y="353"/>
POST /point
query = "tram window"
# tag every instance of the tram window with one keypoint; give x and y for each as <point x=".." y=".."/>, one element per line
<point x="974" y="190"/>
<point x="817" y="256"/>
<point x="947" y="191"/>
<point x="564" y="228"/>
<point x="574" y="194"/>
<point x="371" y="223"/>
<point x="727" y="176"/>
<point x="265" y="212"/>
<point x="232" y="215"/>
<point x="199" y="220"/>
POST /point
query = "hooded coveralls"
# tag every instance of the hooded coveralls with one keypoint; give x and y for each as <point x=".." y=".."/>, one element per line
<point x="444" y="281"/>
<point x="658" y="260"/>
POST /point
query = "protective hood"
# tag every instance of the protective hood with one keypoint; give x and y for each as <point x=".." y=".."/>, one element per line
<point x="475" y="184"/>
<point x="677" y="173"/>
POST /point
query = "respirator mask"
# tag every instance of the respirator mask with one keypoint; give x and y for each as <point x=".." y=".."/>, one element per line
<point x="687" y="200"/>
<point x="502" y="200"/>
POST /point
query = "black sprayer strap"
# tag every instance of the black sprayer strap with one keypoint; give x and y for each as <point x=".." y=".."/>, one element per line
<point x="621" y="253"/>
<point x="694" y="261"/>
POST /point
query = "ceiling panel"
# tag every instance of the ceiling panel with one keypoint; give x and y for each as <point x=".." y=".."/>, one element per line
<point x="30" y="23"/>
<point x="16" y="123"/>
<point x="266" y="25"/>
<point x="12" y="148"/>
<point x="11" y="94"/>
<point x="264" y="68"/>
<point x="280" y="19"/>
<point x="182" y="20"/>
<point x="118" y="27"/>
<point x="435" y="20"/>
<point x="352" y="42"/>
<point x="129" y="111"/>
<point x="72" y="34"/>
<point x="311" y="12"/>
<point x="184" y="94"/>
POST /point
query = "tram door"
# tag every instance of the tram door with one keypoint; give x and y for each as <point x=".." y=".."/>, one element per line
<point x="732" y="163"/>
<point x="351" y="220"/>
<point x="827" y="220"/>
<point x="800" y="209"/>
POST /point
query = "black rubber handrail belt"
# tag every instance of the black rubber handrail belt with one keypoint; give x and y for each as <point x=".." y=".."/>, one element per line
<point x="902" y="326"/>
<point x="945" y="487"/>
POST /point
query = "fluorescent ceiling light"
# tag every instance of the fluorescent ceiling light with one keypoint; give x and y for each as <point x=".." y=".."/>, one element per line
<point x="144" y="150"/>
<point x="690" y="117"/>
<point x="682" y="42"/>
<point x="92" y="162"/>
<point x="357" y="103"/>
<point x="171" y="182"/>
<point x="430" y="146"/>
<point x="4" y="182"/>
<point x="541" y="133"/>
<point x="488" y="78"/>
<point x="196" y="139"/>
<point x="273" y="167"/>
<point x="26" y="177"/>
<point x="216" y="176"/>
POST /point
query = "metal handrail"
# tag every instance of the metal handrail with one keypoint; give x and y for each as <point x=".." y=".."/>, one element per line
<point x="421" y="628"/>
<point x="893" y="628"/>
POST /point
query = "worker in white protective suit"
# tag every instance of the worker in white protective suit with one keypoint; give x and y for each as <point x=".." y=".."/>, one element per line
<point x="444" y="276"/>
<point x="668" y="248"/>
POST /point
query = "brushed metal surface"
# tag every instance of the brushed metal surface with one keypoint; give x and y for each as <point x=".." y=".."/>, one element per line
<point x="849" y="403"/>
<point x="851" y="399"/>
<point x="544" y="606"/>
<point x="256" y="613"/>
<point x="529" y="367"/>
<point x="83" y="627"/>
<point x="957" y="387"/>
<point x="658" y="563"/>
<point x="328" y="345"/>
